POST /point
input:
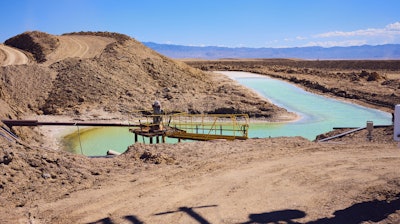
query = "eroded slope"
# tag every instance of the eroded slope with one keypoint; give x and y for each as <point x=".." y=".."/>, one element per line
<point x="78" y="73"/>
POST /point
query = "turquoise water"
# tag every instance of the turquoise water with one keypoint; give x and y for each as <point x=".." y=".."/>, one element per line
<point x="318" y="115"/>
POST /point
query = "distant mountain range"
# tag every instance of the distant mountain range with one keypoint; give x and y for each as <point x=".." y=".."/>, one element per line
<point x="380" y="52"/>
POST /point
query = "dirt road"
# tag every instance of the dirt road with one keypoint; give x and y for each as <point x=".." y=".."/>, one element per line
<point x="78" y="46"/>
<point x="70" y="46"/>
<point x="11" y="56"/>
<point x="256" y="181"/>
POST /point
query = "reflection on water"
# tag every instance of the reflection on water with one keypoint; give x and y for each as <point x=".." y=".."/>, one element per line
<point x="318" y="115"/>
<point x="97" y="141"/>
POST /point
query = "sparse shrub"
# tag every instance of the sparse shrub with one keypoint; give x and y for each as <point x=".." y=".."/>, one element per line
<point x="364" y="74"/>
<point x="354" y="77"/>
<point x="374" y="76"/>
<point x="119" y="37"/>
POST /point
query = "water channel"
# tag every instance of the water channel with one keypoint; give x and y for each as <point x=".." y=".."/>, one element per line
<point x="318" y="115"/>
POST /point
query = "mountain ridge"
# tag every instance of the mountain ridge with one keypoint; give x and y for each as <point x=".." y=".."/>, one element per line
<point x="364" y="52"/>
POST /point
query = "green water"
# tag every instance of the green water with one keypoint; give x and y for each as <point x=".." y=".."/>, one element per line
<point x="318" y="115"/>
<point x="97" y="141"/>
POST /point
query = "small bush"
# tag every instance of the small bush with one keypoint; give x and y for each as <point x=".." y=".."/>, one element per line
<point x="374" y="76"/>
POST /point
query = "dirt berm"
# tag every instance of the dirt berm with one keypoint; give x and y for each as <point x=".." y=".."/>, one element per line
<point x="123" y="76"/>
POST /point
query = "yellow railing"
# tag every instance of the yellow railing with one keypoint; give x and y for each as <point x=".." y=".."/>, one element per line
<point x="210" y="124"/>
<point x="199" y="126"/>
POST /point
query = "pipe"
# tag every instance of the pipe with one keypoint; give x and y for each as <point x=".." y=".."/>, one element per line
<point x="112" y="152"/>
<point x="11" y="123"/>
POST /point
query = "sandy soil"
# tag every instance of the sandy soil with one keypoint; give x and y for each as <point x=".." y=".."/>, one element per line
<point x="11" y="56"/>
<point x="285" y="180"/>
<point x="272" y="180"/>
<point x="78" y="46"/>
<point x="83" y="72"/>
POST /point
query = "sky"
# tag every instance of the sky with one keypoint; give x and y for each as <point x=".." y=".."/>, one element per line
<point x="224" y="23"/>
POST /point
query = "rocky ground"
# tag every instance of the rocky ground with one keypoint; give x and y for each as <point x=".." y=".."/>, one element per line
<point x="274" y="180"/>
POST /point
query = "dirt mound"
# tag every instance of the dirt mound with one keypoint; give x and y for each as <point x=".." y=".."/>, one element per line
<point x="39" y="44"/>
<point x="123" y="76"/>
<point x="32" y="173"/>
<point x="25" y="87"/>
<point x="128" y="76"/>
<point x="111" y="73"/>
<point x="149" y="154"/>
<point x="382" y="135"/>
<point x="78" y="46"/>
<point x="29" y="174"/>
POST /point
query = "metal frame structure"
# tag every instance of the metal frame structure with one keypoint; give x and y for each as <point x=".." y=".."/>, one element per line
<point x="182" y="126"/>
<point x="200" y="127"/>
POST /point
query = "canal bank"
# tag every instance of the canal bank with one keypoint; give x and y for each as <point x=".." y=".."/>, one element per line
<point x="316" y="115"/>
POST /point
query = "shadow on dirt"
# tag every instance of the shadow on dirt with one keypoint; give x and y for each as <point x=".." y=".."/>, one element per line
<point x="130" y="218"/>
<point x="373" y="211"/>
<point x="276" y="217"/>
<point x="189" y="211"/>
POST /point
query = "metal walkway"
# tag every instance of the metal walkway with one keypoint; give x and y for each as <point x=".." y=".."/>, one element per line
<point x="181" y="126"/>
<point x="199" y="127"/>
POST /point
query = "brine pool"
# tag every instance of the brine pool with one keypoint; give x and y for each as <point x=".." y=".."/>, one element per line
<point x="318" y="115"/>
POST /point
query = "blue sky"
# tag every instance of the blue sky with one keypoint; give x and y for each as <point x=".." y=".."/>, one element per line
<point x="229" y="23"/>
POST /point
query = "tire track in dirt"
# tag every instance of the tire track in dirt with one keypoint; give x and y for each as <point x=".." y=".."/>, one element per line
<point x="11" y="56"/>
<point x="78" y="46"/>
<point x="83" y="47"/>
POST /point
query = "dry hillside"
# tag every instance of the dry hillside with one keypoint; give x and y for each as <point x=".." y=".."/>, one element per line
<point x="86" y="71"/>
<point x="78" y="73"/>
